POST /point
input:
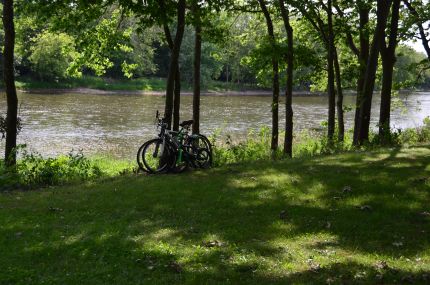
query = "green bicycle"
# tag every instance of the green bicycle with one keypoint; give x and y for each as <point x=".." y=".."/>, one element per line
<point x="174" y="151"/>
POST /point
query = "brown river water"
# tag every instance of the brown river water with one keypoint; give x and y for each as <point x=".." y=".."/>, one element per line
<point x="116" y="125"/>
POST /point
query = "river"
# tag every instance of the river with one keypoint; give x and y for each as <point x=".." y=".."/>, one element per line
<point x="116" y="125"/>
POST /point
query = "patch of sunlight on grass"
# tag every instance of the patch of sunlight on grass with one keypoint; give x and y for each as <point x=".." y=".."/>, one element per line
<point x="37" y="247"/>
<point x="106" y="236"/>
<point x="163" y="234"/>
<point x="70" y="240"/>
<point x="241" y="184"/>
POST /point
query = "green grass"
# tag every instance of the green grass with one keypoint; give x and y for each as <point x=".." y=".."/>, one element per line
<point x="139" y="84"/>
<point x="142" y="84"/>
<point x="223" y="226"/>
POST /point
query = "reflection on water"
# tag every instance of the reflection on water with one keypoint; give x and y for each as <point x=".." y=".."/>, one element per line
<point x="118" y="124"/>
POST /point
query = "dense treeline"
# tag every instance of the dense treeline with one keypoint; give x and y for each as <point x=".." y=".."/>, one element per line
<point x="235" y="52"/>
<point x="327" y="45"/>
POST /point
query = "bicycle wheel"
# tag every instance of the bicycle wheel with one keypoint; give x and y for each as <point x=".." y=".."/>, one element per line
<point x="202" y="150"/>
<point x="203" y="159"/>
<point x="156" y="156"/>
<point x="181" y="164"/>
<point x="139" y="158"/>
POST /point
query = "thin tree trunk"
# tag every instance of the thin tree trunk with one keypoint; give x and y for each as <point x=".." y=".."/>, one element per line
<point x="340" y="119"/>
<point x="363" y="57"/>
<point x="383" y="9"/>
<point x="196" y="75"/>
<point x="330" y="75"/>
<point x="177" y="81"/>
<point x="174" y="63"/>
<point x="177" y="100"/>
<point x="275" y="82"/>
<point x="388" y="60"/>
<point x="288" y="140"/>
<point x="384" y="115"/>
<point x="419" y="23"/>
<point x="9" y="80"/>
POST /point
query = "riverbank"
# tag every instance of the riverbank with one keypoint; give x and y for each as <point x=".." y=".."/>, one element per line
<point x="149" y="86"/>
<point x="348" y="218"/>
<point x="142" y="86"/>
<point x="146" y="93"/>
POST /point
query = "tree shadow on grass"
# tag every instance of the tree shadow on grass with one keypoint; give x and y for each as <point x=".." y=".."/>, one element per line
<point x="224" y="225"/>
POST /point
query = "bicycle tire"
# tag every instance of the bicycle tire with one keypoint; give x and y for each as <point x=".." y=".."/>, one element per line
<point x="207" y="146"/>
<point x="160" y="160"/>
<point x="140" y="159"/>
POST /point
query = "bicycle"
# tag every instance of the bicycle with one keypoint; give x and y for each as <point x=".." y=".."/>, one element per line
<point x="174" y="151"/>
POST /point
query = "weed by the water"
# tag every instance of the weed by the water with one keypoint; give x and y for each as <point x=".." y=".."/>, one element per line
<point x="308" y="144"/>
<point x="35" y="170"/>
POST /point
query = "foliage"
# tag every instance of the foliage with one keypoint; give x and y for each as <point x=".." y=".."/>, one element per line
<point x="256" y="147"/>
<point x="410" y="136"/>
<point x="211" y="65"/>
<point x="308" y="144"/>
<point x="52" y="55"/>
<point x="125" y="39"/>
<point x="139" y="84"/>
<point x="33" y="169"/>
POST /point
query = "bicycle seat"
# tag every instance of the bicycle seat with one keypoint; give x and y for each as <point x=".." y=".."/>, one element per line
<point x="186" y="123"/>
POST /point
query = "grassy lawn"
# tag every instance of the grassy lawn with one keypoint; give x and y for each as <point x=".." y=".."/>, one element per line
<point x="344" y="219"/>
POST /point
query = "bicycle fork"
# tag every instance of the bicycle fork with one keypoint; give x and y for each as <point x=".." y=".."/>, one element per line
<point x="155" y="154"/>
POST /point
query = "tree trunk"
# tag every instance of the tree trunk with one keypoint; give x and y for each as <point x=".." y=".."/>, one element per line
<point x="177" y="81"/>
<point x="9" y="80"/>
<point x="177" y="100"/>
<point x="275" y="82"/>
<point x="363" y="57"/>
<point x="196" y="75"/>
<point x="288" y="140"/>
<point x="383" y="9"/>
<point x="340" y="120"/>
<point x="174" y="63"/>
<point x="330" y="75"/>
<point x="384" y="115"/>
<point x="388" y="60"/>
<point x="419" y="23"/>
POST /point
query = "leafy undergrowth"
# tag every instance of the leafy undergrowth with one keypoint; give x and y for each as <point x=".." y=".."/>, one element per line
<point x="35" y="171"/>
<point x="340" y="219"/>
<point x="138" y="84"/>
<point x="142" y="84"/>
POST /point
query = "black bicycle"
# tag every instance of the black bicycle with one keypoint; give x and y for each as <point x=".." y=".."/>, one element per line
<point x="174" y="151"/>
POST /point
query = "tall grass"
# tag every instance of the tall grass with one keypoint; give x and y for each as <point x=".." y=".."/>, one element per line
<point x="34" y="170"/>
<point x="308" y="143"/>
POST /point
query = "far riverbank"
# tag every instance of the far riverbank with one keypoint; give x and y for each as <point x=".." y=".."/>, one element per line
<point x="93" y="91"/>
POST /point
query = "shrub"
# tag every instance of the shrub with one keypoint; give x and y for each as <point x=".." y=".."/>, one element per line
<point x="52" y="54"/>
<point x="256" y="147"/>
<point x="33" y="169"/>
<point x="409" y="136"/>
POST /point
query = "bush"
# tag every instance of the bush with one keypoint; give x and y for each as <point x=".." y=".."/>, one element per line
<point x="256" y="147"/>
<point x="399" y="137"/>
<point x="51" y="55"/>
<point x="33" y="169"/>
<point x="307" y="144"/>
